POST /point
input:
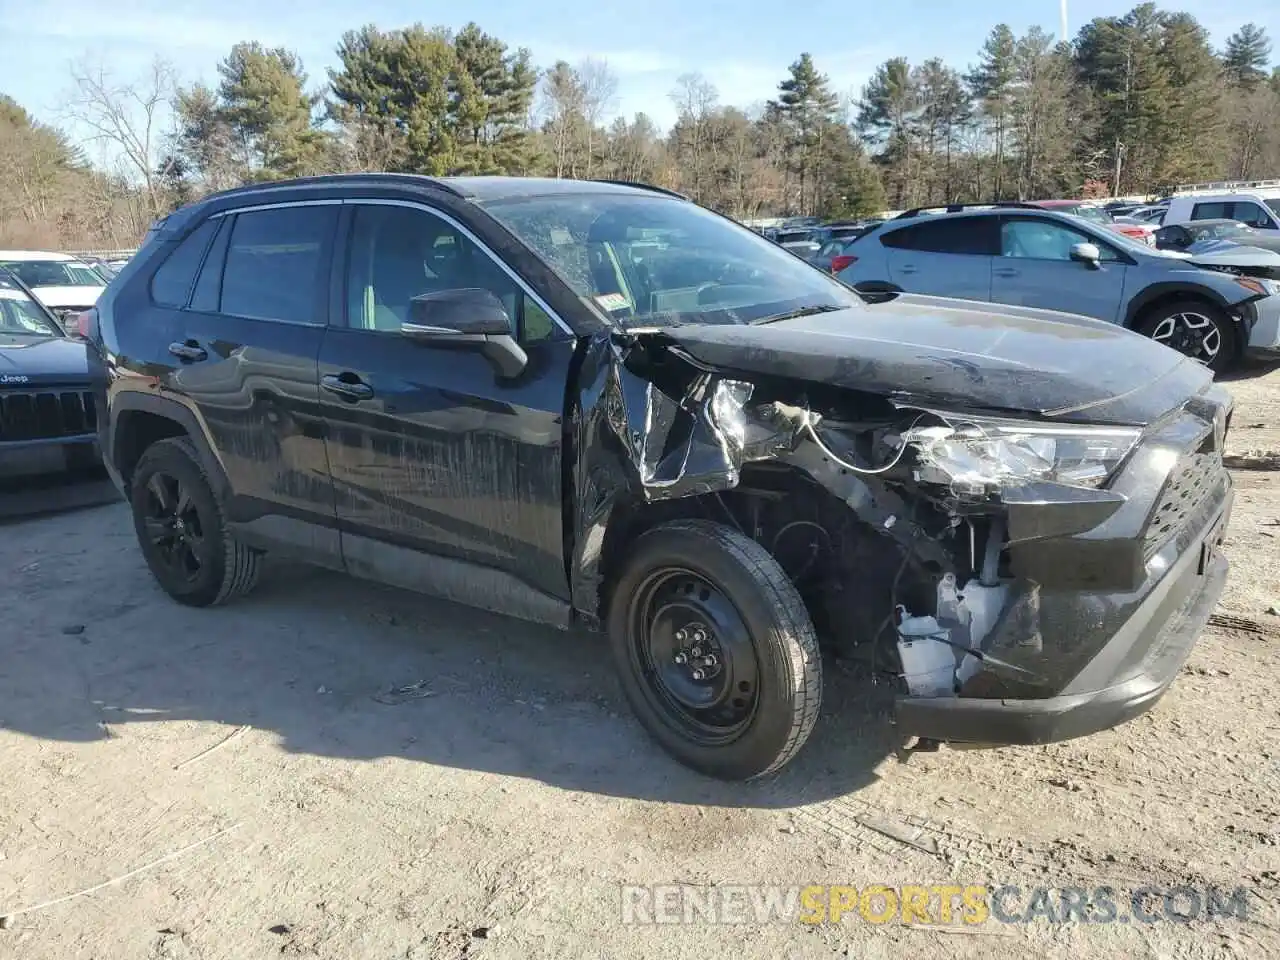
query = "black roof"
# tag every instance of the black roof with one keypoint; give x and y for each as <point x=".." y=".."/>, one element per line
<point x="480" y="189"/>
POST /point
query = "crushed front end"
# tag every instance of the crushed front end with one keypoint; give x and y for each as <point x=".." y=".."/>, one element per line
<point x="1101" y="591"/>
<point x="1018" y="578"/>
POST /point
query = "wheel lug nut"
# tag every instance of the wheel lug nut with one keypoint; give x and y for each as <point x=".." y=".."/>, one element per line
<point x="709" y="661"/>
<point x="699" y="636"/>
<point x="699" y="675"/>
<point x="696" y="651"/>
<point x="682" y="635"/>
<point x="681" y="658"/>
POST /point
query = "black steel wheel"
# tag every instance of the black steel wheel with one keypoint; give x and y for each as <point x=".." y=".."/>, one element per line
<point x="716" y="651"/>
<point x="180" y="527"/>
<point x="695" y="653"/>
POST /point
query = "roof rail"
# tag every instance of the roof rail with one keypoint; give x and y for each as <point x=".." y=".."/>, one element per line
<point x="269" y="186"/>
<point x="959" y="207"/>
<point x="1217" y="186"/>
<point x="641" y="186"/>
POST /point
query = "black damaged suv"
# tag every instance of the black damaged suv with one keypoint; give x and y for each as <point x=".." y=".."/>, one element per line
<point x="598" y="403"/>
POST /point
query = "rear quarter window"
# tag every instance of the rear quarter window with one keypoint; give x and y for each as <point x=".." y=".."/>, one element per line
<point x="1214" y="210"/>
<point x="975" y="236"/>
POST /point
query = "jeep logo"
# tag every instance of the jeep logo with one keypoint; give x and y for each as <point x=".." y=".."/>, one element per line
<point x="14" y="378"/>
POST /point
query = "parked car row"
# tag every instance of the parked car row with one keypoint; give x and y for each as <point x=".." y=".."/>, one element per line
<point x="1212" y="303"/>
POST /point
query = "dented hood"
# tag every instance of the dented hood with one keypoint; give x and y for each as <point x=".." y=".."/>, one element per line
<point x="962" y="355"/>
<point x="1224" y="253"/>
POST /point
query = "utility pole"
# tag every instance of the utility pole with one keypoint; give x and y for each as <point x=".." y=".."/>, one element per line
<point x="1062" y="21"/>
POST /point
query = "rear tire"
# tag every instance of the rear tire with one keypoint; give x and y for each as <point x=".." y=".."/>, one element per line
<point x="697" y="597"/>
<point x="182" y="530"/>
<point x="1196" y="329"/>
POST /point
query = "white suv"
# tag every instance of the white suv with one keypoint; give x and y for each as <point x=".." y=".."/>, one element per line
<point x="1256" y="203"/>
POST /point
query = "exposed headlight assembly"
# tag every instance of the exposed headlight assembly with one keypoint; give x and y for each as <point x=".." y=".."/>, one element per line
<point x="975" y="457"/>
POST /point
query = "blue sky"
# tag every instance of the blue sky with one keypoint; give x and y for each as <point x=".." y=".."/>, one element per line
<point x="742" y="46"/>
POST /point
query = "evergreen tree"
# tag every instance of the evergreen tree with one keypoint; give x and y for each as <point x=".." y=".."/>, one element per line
<point x="1122" y="61"/>
<point x="806" y="108"/>
<point x="1245" y="59"/>
<point x="886" y="116"/>
<point x="263" y="98"/>
<point x="992" y="84"/>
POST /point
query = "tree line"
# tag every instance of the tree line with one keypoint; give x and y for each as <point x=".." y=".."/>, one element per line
<point x="1131" y="105"/>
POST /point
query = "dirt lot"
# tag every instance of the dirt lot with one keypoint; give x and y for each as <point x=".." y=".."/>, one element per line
<point x="500" y="815"/>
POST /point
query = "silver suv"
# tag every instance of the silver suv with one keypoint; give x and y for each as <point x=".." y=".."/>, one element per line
<point x="1024" y="255"/>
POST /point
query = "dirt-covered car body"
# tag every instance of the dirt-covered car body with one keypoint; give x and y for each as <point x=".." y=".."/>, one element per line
<point x="1018" y="510"/>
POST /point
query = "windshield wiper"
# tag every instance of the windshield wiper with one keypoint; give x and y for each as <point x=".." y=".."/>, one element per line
<point x="802" y="312"/>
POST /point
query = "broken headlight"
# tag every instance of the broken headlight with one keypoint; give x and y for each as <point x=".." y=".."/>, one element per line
<point x="975" y="456"/>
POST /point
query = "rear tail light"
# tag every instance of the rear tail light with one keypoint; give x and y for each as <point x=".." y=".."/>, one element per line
<point x="87" y="322"/>
<point x="842" y="261"/>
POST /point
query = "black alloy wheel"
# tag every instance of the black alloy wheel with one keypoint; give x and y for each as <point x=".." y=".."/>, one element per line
<point x="174" y="526"/>
<point x="181" y="528"/>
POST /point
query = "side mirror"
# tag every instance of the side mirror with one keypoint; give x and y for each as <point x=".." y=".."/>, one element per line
<point x="1087" y="253"/>
<point x="467" y="318"/>
<point x="466" y="310"/>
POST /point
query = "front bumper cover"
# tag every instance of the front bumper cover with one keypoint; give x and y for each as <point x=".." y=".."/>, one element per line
<point x="1166" y="624"/>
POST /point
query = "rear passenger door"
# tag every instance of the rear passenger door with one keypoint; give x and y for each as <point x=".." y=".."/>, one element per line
<point x="947" y="256"/>
<point x="245" y="354"/>
<point x="1035" y="269"/>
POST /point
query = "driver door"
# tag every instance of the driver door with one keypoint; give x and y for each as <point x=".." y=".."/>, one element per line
<point x="429" y="448"/>
<point x="1035" y="269"/>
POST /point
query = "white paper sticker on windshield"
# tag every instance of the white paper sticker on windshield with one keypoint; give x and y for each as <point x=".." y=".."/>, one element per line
<point x="612" y="301"/>
<point x="560" y="236"/>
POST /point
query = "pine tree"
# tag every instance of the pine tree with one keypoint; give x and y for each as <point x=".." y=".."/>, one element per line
<point x="992" y="84"/>
<point x="1192" y="148"/>
<point x="399" y="86"/>
<point x="887" y="116"/>
<point x="1122" y="62"/>
<point x="945" y="107"/>
<point x="263" y="98"/>
<point x="1245" y="59"/>
<point x="807" y="107"/>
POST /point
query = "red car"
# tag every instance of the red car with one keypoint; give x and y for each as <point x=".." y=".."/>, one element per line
<point x="1141" y="232"/>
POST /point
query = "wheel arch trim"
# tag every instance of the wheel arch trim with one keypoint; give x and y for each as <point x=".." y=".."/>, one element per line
<point x="192" y="424"/>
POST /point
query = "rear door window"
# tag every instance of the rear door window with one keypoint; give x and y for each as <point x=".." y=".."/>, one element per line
<point x="275" y="260"/>
<point x="974" y="236"/>
<point x="171" y="284"/>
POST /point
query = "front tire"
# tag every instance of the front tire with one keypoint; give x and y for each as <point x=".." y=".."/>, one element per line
<point x="1196" y="329"/>
<point x="182" y="530"/>
<point x="715" y="649"/>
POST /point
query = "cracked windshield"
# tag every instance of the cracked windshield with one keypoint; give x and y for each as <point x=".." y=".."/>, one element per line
<point x="582" y="481"/>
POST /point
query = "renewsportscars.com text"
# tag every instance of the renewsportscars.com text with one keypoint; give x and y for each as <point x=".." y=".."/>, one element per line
<point x="940" y="904"/>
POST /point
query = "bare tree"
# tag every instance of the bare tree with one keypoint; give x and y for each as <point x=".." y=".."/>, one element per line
<point x="126" y="118"/>
<point x="564" y="106"/>
<point x="599" y="87"/>
<point x="695" y="99"/>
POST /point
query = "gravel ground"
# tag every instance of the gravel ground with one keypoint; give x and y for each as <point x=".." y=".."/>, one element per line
<point x="500" y="813"/>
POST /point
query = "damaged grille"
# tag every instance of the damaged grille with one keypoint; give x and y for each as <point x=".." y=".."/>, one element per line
<point x="1191" y="487"/>
<point x="46" y="415"/>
